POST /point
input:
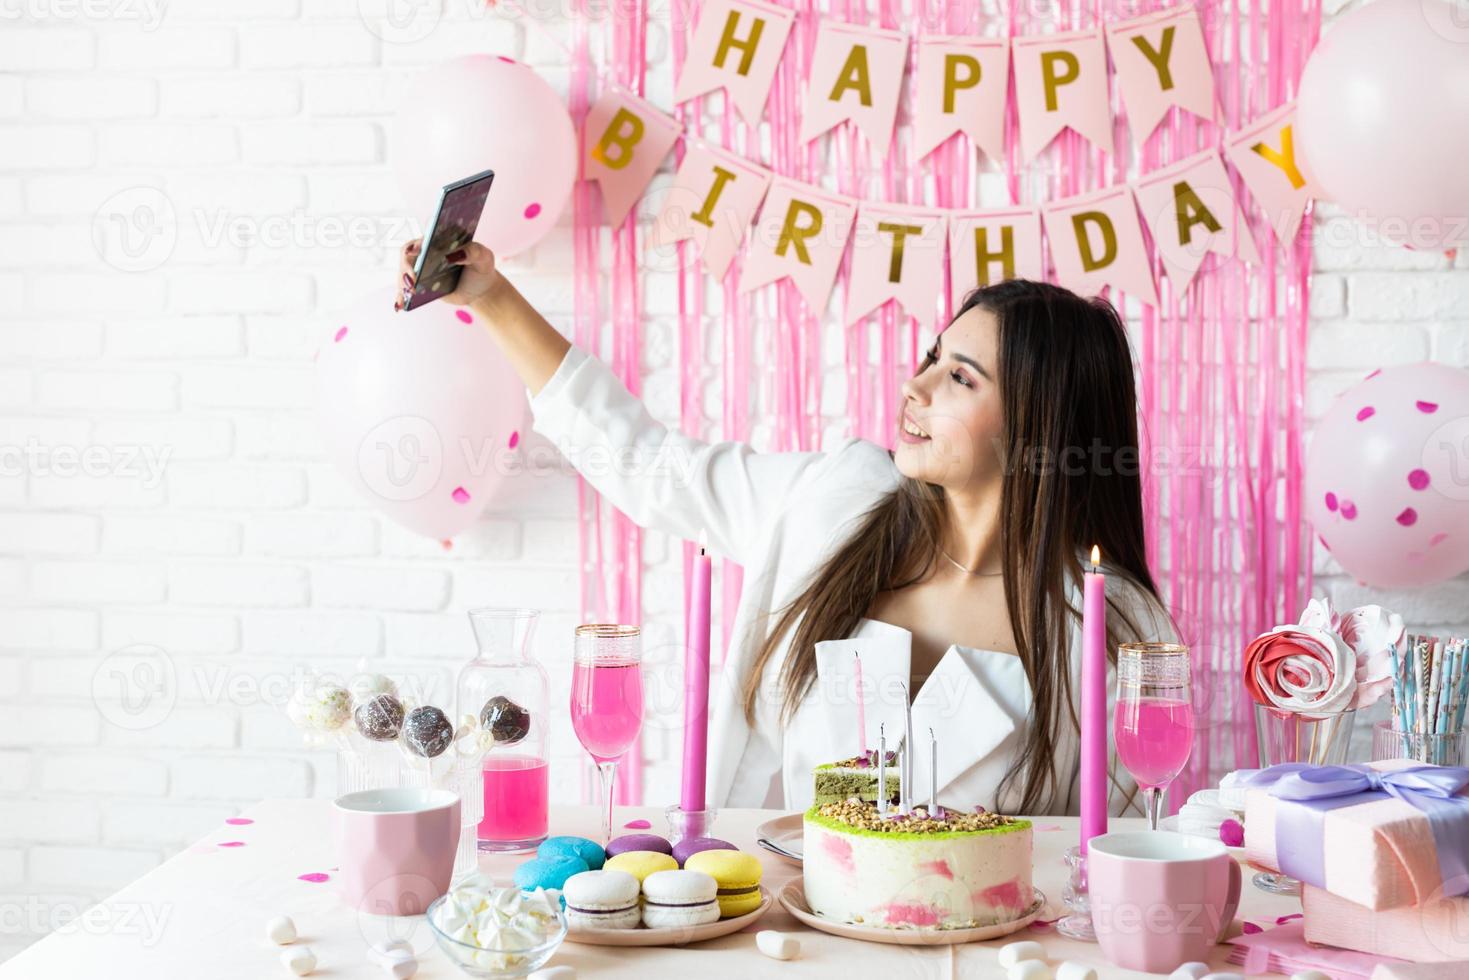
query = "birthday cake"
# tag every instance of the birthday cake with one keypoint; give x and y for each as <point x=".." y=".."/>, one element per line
<point x="857" y="776"/>
<point x="947" y="870"/>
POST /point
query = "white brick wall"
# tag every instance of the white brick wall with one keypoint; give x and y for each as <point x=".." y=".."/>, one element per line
<point x="242" y="555"/>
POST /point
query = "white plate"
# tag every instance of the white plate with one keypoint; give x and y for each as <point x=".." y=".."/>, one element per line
<point x="793" y="897"/>
<point x="786" y="833"/>
<point x="671" y="935"/>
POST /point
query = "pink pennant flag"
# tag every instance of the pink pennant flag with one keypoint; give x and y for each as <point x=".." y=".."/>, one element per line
<point x="736" y="46"/>
<point x="991" y="246"/>
<point x="801" y="232"/>
<point x="713" y="197"/>
<point x="1264" y="153"/>
<point x="625" y="139"/>
<point x="897" y="254"/>
<point x="1161" y="61"/>
<point x="1097" y="241"/>
<point x="962" y="85"/>
<point x="1061" y="80"/>
<point x="1191" y="211"/>
<point x="856" y="74"/>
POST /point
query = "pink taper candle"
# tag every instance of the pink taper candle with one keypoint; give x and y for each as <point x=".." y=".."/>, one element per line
<point x="696" y="687"/>
<point x="1094" y="703"/>
<point x="861" y="710"/>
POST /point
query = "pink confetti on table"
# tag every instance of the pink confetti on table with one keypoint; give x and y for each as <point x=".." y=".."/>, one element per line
<point x="464" y="316"/>
<point x="315" y="877"/>
<point x="239" y="821"/>
<point x="637" y="825"/>
<point x="514" y="439"/>
<point x="532" y="210"/>
<point x="1286" y="918"/>
<point x="341" y="332"/>
<point x="460" y="495"/>
<point x="232" y="843"/>
<point x="1250" y="929"/>
<point x="1427" y="408"/>
<point x="1366" y="413"/>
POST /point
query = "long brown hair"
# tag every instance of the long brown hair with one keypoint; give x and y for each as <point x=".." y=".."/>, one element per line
<point x="1069" y="451"/>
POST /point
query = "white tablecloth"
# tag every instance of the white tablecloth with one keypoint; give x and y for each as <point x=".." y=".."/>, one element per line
<point x="202" y="914"/>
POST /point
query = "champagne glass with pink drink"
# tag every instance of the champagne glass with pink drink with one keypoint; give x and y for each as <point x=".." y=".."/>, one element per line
<point x="1153" y="722"/>
<point x="607" y="699"/>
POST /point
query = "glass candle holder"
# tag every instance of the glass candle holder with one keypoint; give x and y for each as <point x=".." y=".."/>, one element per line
<point x="1446" y="749"/>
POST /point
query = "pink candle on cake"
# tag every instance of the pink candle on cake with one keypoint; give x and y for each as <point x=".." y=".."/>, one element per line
<point x="1093" y="703"/>
<point x="696" y="687"/>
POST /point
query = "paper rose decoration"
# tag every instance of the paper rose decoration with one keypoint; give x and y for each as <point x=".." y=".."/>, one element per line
<point x="1326" y="662"/>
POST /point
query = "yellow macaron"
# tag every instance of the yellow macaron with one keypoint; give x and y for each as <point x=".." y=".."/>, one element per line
<point x="640" y="864"/>
<point x="738" y="875"/>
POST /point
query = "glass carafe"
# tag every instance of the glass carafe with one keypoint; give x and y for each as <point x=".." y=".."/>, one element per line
<point x="507" y="693"/>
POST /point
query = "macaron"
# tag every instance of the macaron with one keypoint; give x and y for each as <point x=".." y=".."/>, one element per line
<point x="602" y="900"/>
<point x="690" y="846"/>
<point x="640" y="864"/>
<point x="639" y="842"/>
<point x="738" y="875"/>
<point x="547" y="872"/>
<point x="679" y="898"/>
<point x="589" y="851"/>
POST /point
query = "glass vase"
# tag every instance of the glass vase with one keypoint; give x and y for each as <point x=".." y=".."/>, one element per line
<point x="1317" y="739"/>
<point x="508" y="694"/>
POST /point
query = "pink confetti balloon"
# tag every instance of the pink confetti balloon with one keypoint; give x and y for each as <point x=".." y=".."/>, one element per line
<point x="1387" y="490"/>
<point x="416" y="409"/>
<point x="483" y="112"/>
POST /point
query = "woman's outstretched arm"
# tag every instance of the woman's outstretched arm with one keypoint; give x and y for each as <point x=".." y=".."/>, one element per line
<point x="533" y="347"/>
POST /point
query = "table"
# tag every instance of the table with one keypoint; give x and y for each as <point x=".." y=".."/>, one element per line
<point x="203" y="912"/>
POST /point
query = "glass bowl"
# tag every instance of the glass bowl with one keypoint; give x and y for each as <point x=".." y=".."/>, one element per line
<point x="480" y="962"/>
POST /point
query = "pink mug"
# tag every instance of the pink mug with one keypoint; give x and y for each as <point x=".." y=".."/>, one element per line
<point x="1158" y="898"/>
<point x="395" y="848"/>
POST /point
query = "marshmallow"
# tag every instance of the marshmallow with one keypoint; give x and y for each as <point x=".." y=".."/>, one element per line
<point x="399" y="964"/>
<point x="1013" y="953"/>
<point x="299" y="961"/>
<point x="281" y="930"/>
<point x="554" y="973"/>
<point x="1190" y="971"/>
<point x="1029" y="970"/>
<point x="1072" y="970"/>
<point x="1224" y="976"/>
<point x="1309" y="975"/>
<point x="777" y="945"/>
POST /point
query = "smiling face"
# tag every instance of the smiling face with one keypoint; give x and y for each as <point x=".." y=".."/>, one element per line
<point x="950" y="420"/>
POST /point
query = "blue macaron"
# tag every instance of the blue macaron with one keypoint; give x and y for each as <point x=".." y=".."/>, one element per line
<point x="548" y="872"/>
<point x="578" y="847"/>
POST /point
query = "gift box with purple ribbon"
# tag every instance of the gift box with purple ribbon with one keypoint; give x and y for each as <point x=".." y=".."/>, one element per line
<point x="1383" y="835"/>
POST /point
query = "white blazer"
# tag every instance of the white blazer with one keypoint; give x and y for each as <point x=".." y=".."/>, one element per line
<point x="781" y="516"/>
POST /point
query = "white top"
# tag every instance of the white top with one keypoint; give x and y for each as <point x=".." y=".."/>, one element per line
<point x="781" y="516"/>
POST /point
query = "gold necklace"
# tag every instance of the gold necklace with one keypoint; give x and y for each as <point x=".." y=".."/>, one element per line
<point x="966" y="570"/>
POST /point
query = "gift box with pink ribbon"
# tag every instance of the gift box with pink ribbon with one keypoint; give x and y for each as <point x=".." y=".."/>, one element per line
<point x="1382" y="835"/>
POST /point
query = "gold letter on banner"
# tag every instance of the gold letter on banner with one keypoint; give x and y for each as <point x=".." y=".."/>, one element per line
<point x="1191" y="209"/>
<point x="713" y="197"/>
<point x="987" y="247"/>
<point x="626" y="139"/>
<point x="801" y="232"/>
<point x="961" y="85"/>
<point x="1060" y="81"/>
<point x="1279" y="185"/>
<point x="1122" y="261"/>
<point x="848" y="59"/>
<point x="1158" y="58"/>
<point x="1161" y="62"/>
<point x="897" y="255"/>
<point x="736" y="45"/>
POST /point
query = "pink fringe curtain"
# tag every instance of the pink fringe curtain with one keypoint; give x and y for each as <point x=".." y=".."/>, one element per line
<point x="1221" y="365"/>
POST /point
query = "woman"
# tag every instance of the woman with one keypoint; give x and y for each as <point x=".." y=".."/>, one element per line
<point x="952" y="565"/>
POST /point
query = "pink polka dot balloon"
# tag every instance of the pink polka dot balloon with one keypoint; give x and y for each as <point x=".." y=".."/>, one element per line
<point x="487" y="112"/>
<point x="1387" y="476"/>
<point x="417" y="409"/>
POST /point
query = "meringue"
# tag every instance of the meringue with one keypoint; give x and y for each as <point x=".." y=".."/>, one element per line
<point x="281" y="930"/>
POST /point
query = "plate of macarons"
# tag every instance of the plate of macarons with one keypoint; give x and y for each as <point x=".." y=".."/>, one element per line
<point x="642" y="890"/>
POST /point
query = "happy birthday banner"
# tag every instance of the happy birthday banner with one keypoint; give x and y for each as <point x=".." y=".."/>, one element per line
<point x="961" y="85"/>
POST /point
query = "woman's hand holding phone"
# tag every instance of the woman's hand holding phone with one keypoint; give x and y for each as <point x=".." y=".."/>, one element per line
<point x="476" y="280"/>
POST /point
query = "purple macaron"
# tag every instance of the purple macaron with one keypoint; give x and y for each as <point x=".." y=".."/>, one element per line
<point x="690" y="846"/>
<point x="639" y="842"/>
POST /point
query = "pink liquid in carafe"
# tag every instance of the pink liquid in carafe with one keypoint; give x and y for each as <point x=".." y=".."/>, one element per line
<point x="516" y="789"/>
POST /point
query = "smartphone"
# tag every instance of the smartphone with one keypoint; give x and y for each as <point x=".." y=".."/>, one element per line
<point x="452" y="227"/>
